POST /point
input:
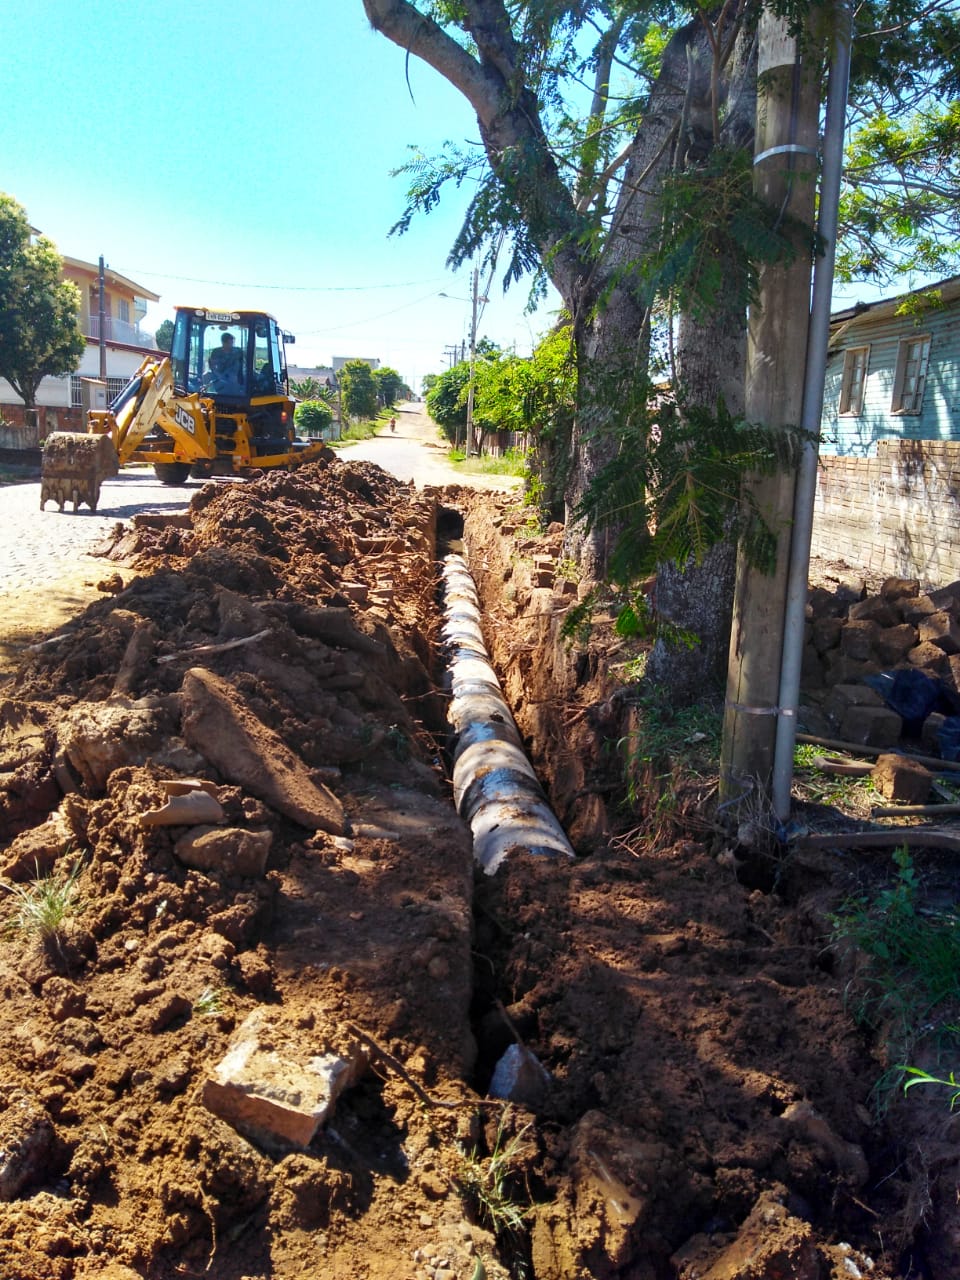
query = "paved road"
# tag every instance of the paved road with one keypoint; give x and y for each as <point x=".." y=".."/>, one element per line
<point x="47" y="574"/>
<point x="415" y="452"/>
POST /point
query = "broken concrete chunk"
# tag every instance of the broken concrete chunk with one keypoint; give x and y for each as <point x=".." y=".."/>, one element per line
<point x="520" y="1077"/>
<point x="217" y="723"/>
<point x="98" y="737"/>
<point x="184" y="811"/>
<point x="230" y="850"/>
<point x="273" y="1091"/>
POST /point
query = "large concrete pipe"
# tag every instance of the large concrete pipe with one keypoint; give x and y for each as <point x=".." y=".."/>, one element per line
<point x="494" y="786"/>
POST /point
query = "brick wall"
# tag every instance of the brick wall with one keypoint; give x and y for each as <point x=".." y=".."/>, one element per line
<point x="21" y="428"/>
<point x="896" y="514"/>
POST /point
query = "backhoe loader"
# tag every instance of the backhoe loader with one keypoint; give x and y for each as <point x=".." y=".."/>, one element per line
<point x="217" y="405"/>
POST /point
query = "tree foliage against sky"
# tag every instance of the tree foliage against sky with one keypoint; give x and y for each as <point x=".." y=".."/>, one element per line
<point x="390" y="385"/>
<point x="615" y="158"/>
<point x="359" y="390"/>
<point x="39" y="310"/>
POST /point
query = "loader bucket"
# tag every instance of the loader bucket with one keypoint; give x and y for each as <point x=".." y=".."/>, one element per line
<point x="74" y="466"/>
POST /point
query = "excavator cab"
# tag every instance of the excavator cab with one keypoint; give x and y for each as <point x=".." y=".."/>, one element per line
<point x="234" y="357"/>
<point x="218" y="405"/>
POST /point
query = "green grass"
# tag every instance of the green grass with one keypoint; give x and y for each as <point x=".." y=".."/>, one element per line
<point x="511" y="463"/>
<point x="843" y="791"/>
<point x="357" y="431"/>
<point x="488" y="1187"/>
<point x="43" y="907"/>
<point x="209" y="1002"/>
<point x="668" y="737"/>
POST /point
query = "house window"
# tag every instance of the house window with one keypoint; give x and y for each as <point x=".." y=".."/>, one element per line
<point x="854" y="380"/>
<point x="913" y="355"/>
<point x="124" y="310"/>
<point x="114" y="387"/>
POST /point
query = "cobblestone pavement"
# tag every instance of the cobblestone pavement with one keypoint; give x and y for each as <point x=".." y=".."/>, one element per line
<point x="47" y="572"/>
<point x="37" y="546"/>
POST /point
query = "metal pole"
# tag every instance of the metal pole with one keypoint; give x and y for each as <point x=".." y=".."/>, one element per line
<point x="473" y="360"/>
<point x="811" y="414"/>
<point x="102" y="324"/>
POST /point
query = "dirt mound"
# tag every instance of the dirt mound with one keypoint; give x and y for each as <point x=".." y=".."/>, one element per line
<point x="228" y="770"/>
<point x="252" y="1020"/>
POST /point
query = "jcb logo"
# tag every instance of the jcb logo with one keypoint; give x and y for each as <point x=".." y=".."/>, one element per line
<point x="184" y="419"/>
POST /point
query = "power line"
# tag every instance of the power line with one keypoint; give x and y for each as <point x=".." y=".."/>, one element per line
<point x="289" y="288"/>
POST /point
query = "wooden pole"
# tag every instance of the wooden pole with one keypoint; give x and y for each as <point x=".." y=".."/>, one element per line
<point x="785" y="177"/>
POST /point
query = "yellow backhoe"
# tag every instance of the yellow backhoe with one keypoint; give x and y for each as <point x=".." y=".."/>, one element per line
<point x="217" y="405"/>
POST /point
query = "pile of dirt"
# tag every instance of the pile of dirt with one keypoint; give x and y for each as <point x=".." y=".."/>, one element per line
<point x="232" y="770"/>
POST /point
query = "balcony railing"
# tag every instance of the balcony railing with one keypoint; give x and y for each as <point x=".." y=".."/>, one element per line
<point x="115" y="330"/>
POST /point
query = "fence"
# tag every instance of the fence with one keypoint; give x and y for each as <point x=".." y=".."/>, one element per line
<point x="895" y="514"/>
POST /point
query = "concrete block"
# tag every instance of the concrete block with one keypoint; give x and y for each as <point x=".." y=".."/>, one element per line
<point x="941" y="629"/>
<point x="844" y="696"/>
<point x="930" y="733"/>
<point x="897" y="588"/>
<point x="874" y="609"/>
<point x="915" y="610"/>
<point x="856" y="639"/>
<point x="270" y="1088"/>
<point x="928" y="656"/>
<point x="825" y="633"/>
<point x="901" y="780"/>
<point x="894" y="643"/>
<point x="843" y="670"/>
<point x="871" y="726"/>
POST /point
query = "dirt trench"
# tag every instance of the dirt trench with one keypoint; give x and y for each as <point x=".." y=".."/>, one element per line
<point x="704" y="1105"/>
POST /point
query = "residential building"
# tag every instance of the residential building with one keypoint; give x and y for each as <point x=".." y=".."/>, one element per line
<point x="893" y="371"/>
<point x="888" y="483"/>
<point x="60" y="401"/>
<point x="340" y="361"/>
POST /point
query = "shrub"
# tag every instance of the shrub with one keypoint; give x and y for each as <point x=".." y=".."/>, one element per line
<point x="312" y="417"/>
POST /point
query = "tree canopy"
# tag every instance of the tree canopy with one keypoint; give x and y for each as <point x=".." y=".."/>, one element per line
<point x="359" y="390"/>
<point x="164" y="335"/>
<point x="39" y="310"/>
<point x="390" y="385"/>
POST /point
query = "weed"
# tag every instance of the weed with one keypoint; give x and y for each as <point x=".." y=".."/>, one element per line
<point x="43" y="907"/>
<point x="209" y="1002"/>
<point x="487" y="1185"/>
<point x="913" y="960"/>
<point x="511" y="463"/>
<point x="924" y="1077"/>
<point x="668" y="736"/>
<point x="398" y="742"/>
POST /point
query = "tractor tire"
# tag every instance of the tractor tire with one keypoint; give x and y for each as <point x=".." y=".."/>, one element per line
<point x="172" y="472"/>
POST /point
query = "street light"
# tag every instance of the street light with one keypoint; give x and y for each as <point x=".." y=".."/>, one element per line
<point x="473" y="351"/>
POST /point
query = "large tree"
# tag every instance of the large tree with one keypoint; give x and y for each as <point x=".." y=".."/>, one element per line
<point x="617" y="140"/>
<point x="39" y="310"/>
<point x="359" y="390"/>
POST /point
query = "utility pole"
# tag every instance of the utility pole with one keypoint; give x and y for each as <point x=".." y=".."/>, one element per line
<point x="473" y="361"/>
<point x="785" y="164"/>
<point x="101" y="324"/>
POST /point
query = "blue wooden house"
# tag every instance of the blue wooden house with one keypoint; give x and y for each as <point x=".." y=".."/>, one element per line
<point x="893" y="372"/>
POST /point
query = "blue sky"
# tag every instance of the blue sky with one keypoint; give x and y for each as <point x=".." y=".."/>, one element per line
<point x="207" y="149"/>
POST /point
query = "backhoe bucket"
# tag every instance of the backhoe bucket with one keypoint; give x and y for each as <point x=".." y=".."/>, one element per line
<point x="74" y="467"/>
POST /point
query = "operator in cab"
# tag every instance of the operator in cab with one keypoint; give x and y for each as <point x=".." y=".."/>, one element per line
<point x="226" y="366"/>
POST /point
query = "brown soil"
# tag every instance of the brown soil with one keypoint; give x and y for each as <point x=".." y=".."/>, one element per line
<point x="708" y="1109"/>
